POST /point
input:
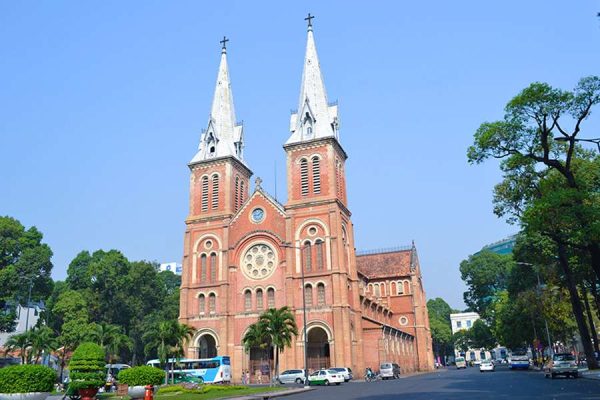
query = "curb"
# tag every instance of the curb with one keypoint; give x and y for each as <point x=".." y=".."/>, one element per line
<point x="272" y="395"/>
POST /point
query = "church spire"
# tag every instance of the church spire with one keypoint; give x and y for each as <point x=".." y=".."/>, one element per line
<point x="315" y="118"/>
<point x="223" y="136"/>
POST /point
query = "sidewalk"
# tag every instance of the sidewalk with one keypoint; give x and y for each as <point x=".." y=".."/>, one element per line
<point x="272" y="395"/>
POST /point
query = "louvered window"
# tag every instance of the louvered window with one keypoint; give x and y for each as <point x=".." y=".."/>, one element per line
<point x="212" y="303"/>
<point x="308" y="295"/>
<point x="205" y="193"/>
<point x="259" y="299"/>
<point x="271" y="297"/>
<point x="241" y="193"/>
<point x="307" y="257"/>
<point x="304" y="177"/>
<point x="319" y="255"/>
<point x="213" y="267"/>
<point x="215" y="191"/>
<point x="338" y="178"/>
<point x="316" y="170"/>
<point x="321" y="294"/>
<point x="201" y="304"/>
<point x="203" y="268"/>
<point x="247" y="300"/>
<point x="237" y="193"/>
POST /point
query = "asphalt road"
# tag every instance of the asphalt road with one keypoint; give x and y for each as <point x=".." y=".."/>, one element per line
<point x="463" y="384"/>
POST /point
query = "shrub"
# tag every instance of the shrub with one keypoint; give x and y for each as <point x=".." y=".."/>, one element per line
<point x="27" y="379"/>
<point x="142" y="376"/>
<point x="87" y="367"/>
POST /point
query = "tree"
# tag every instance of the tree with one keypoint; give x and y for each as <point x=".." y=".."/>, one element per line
<point x="481" y="336"/>
<point x="439" y="322"/>
<point x="19" y="342"/>
<point x="182" y="334"/>
<point x="160" y="338"/>
<point x="23" y="259"/>
<point x="110" y="338"/>
<point x="279" y="325"/>
<point x="462" y="341"/>
<point x="42" y="341"/>
<point x="486" y="275"/>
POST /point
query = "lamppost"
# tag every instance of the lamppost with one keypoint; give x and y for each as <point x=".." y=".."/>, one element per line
<point x="30" y="279"/>
<point x="596" y="141"/>
<point x="301" y="248"/>
<point x="539" y="287"/>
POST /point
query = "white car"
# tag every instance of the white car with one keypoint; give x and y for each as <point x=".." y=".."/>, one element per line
<point x="346" y="372"/>
<point x="325" y="377"/>
<point x="291" y="376"/>
<point x="487" y="365"/>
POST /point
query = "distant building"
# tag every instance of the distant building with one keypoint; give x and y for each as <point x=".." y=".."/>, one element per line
<point x="464" y="321"/>
<point x="171" y="266"/>
<point x="23" y="323"/>
<point x="504" y="246"/>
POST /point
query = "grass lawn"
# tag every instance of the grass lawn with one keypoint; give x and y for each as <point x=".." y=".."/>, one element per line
<point x="223" y="392"/>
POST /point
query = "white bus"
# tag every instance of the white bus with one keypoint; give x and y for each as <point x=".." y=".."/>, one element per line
<point x="211" y="370"/>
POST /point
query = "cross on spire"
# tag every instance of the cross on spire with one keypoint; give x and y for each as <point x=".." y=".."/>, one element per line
<point x="309" y="18"/>
<point x="224" y="42"/>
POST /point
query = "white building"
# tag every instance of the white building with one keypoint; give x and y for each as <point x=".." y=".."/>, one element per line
<point x="464" y="321"/>
<point x="23" y="322"/>
<point x="171" y="266"/>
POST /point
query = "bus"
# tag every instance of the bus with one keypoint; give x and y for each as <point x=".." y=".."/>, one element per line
<point x="211" y="370"/>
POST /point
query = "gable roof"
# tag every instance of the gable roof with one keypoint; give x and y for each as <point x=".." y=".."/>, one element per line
<point x="385" y="264"/>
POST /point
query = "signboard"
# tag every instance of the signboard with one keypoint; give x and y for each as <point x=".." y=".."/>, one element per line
<point x="122" y="389"/>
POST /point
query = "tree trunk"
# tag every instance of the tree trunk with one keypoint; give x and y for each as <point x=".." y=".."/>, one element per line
<point x="588" y="311"/>
<point x="577" y="309"/>
<point x="594" y="291"/>
<point x="594" y="249"/>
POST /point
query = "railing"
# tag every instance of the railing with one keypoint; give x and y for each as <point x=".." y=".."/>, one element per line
<point x="383" y="250"/>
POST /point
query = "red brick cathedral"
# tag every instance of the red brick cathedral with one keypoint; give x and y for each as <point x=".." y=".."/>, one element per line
<point x="244" y="252"/>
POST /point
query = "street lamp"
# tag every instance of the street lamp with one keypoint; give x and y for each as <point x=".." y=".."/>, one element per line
<point x="301" y="248"/>
<point x="596" y="141"/>
<point x="539" y="286"/>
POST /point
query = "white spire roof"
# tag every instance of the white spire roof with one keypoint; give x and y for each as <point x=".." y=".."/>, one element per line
<point x="315" y="118"/>
<point x="222" y="136"/>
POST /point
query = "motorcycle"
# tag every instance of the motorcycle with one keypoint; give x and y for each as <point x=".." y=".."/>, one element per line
<point x="370" y="376"/>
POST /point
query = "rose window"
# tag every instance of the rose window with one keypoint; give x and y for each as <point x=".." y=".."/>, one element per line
<point x="259" y="261"/>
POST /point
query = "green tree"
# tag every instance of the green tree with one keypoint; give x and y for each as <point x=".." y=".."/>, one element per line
<point x="481" y="336"/>
<point x="160" y="338"/>
<point x="439" y="322"/>
<point x="43" y="340"/>
<point x="462" y="341"/>
<point x="110" y="338"/>
<point x="486" y="274"/>
<point x="24" y="259"/>
<point x="279" y="326"/>
<point x="20" y="342"/>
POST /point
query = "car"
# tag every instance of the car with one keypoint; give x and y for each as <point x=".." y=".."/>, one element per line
<point x="325" y="377"/>
<point x="460" y="363"/>
<point x="291" y="376"/>
<point x="186" y="377"/>
<point x="486" y="365"/>
<point x="346" y="372"/>
<point x="389" y="370"/>
<point x="562" y="364"/>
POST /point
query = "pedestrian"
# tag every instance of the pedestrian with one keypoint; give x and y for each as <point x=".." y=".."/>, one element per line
<point x="243" y="377"/>
<point x="258" y="376"/>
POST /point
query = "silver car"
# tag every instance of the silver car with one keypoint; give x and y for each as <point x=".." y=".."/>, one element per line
<point x="346" y="372"/>
<point x="291" y="376"/>
<point x="389" y="371"/>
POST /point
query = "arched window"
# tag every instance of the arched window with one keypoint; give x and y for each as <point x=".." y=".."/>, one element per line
<point x="211" y="145"/>
<point x="236" y="202"/>
<point x="259" y="299"/>
<point x="201" y="304"/>
<point x="376" y="290"/>
<point x="241" y="193"/>
<point x="307" y="257"/>
<point x="316" y="172"/>
<point x="319" y="254"/>
<point x="320" y="295"/>
<point x="271" y="297"/>
<point x="304" y="177"/>
<point x="213" y="267"/>
<point x="400" y="288"/>
<point x="247" y="300"/>
<point x="308" y="295"/>
<point x="215" y="191"/>
<point x="205" y="193"/>
<point x="212" y="303"/>
<point x="203" y="268"/>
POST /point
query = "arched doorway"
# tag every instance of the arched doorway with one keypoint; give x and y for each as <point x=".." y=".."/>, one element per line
<point x="317" y="349"/>
<point x="207" y="346"/>
<point x="261" y="364"/>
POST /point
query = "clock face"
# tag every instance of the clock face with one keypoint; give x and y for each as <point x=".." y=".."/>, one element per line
<point x="258" y="214"/>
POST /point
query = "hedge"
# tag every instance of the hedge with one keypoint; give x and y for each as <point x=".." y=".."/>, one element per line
<point x="87" y="367"/>
<point x="27" y="379"/>
<point x="141" y="376"/>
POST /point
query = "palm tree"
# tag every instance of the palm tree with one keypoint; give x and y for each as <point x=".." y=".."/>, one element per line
<point x="160" y="337"/>
<point x="42" y="340"/>
<point x="182" y="334"/>
<point x="21" y="342"/>
<point x="280" y="327"/>
<point x="111" y="338"/>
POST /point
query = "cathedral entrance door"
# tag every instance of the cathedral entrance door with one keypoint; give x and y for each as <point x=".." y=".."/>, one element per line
<point x="318" y="349"/>
<point x="207" y="346"/>
<point x="261" y="365"/>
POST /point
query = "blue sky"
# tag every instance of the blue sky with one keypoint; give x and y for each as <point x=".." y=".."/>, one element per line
<point x="102" y="105"/>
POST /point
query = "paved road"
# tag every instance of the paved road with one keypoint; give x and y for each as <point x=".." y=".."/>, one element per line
<point x="463" y="384"/>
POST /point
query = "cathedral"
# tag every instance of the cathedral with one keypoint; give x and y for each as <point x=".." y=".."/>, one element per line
<point x="245" y="252"/>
